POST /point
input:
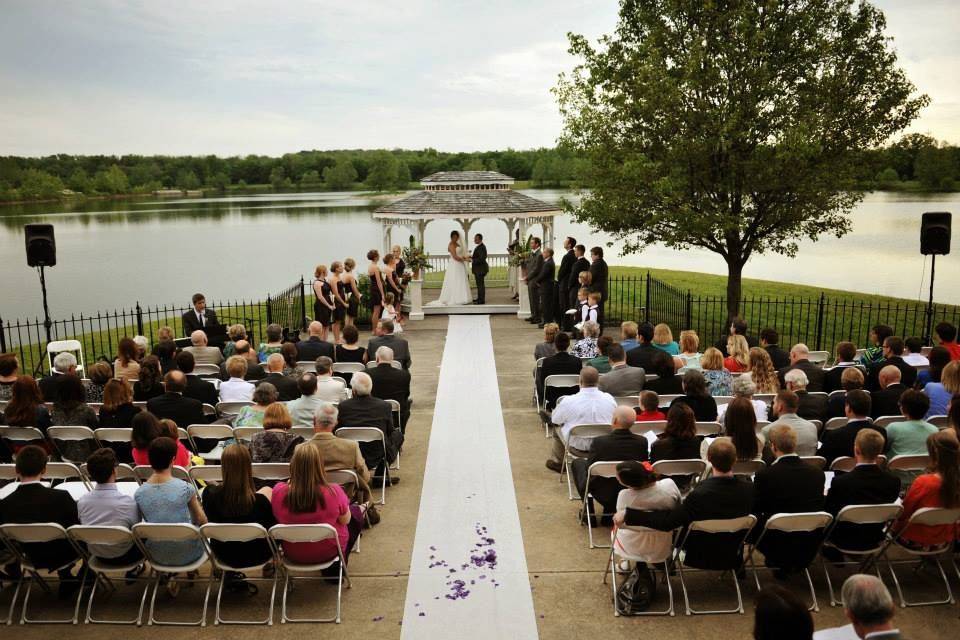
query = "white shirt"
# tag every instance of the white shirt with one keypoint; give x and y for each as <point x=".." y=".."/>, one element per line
<point x="236" y="390"/>
<point x="330" y="390"/>
<point x="759" y="409"/>
<point x="588" y="406"/>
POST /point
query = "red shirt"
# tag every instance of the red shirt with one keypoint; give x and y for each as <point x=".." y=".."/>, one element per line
<point x="650" y="416"/>
<point x="731" y="365"/>
<point x="924" y="492"/>
<point x="953" y="348"/>
<point x="140" y="456"/>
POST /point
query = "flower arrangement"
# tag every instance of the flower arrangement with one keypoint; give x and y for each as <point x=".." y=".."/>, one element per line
<point x="519" y="252"/>
<point x="415" y="258"/>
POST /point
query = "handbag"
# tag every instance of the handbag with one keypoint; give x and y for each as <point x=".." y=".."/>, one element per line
<point x="637" y="591"/>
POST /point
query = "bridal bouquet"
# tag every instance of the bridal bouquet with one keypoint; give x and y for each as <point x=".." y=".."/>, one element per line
<point x="415" y="258"/>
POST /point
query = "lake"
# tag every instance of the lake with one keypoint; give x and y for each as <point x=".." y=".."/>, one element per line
<point x="113" y="253"/>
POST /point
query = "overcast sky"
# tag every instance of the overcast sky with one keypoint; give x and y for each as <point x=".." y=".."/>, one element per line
<point x="188" y="77"/>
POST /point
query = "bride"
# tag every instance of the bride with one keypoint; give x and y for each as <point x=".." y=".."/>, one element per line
<point x="456" y="284"/>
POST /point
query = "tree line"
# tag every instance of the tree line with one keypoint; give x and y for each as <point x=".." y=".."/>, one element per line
<point x="914" y="162"/>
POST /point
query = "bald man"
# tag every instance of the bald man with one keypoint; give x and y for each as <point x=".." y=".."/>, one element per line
<point x="886" y="400"/>
<point x="800" y="359"/>
<point x="314" y="346"/>
<point x="174" y="405"/>
<point x="286" y="387"/>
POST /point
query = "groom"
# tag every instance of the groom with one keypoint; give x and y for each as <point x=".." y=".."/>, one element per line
<point x="480" y="268"/>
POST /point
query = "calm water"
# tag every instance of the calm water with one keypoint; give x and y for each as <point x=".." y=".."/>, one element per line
<point x="113" y="253"/>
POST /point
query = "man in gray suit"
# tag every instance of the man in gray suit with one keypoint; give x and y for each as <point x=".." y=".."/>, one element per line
<point x="533" y="265"/>
<point x="785" y="405"/>
<point x="386" y="338"/>
<point x="622" y="379"/>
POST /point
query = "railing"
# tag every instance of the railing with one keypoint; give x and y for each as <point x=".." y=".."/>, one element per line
<point x="497" y="277"/>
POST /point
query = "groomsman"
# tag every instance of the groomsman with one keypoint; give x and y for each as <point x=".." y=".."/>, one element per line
<point x="548" y="287"/>
<point x="579" y="265"/>
<point x="532" y="266"/>
<point x="480" y="268"/>
<point x="598" y="274"/>
<point x="563" y="281"/>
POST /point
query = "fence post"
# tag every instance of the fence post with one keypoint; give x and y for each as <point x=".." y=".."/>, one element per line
<point x="303" y="306"/>
<point x="3" y="338"/>
<point x="820" y="309"/>
<point x="688" y="314"/>
<point x="646" y="300"/>
<point x="139" y="319"/>
<point x="269" y="310"/>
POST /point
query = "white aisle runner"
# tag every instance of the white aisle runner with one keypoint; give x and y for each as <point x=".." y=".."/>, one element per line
<point x="468" y="574"/>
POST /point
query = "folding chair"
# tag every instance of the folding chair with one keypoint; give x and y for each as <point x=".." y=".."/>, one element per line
<point x="537" y="402"/>
<point x="346" y="367"/>
<point x="597" y="470"/>
<point x="202" y="434"/>
<point x="568" y="382"/>
<point x="349" y="481"/>
<point x="732" y="552"/>
<point x="153" y="532"/>
<point x="206" y="474"/>
<point x="127" y="481"/>
<point x="239" y="534"/>
<point x="940" y="422"/>
<point x="930" y="517"/>
<point x="837" y="393"/>
<point x="394" y="363"/>
<point x="794" y="523"/>
<point x="86" y="539"/>
<point x="723" y="400"/>
<point x="692" y="468"/>
<point x="304" y="432"/>
<point x="61" y="435"/>
<point x="748" y="468"/>
<point x="907" y="468"/>
<point x="294" y="533"/>
<point x="395" y="416"/>
<point x="589" y="431"/>
<point x="817" y="462"/>
<point x="69" y="477"/>
<point x="118" y="440"/>
<point x="232" y="409"/>
<point x="627" y="401"/>
<point x="17" y="535"/>
<point x="244" y="434"/>
<point x="144" y="471"/>
<point x="843" y="464"/>
<point x="860" y="514"/>
<point x="819" y="358"/>
<point x="370" y="434"/>
<point x="271" y="471"/>
<point x="204" y="370"/>
<point x="767" y="398"/>
<point x="59" y="346"/>
<point x="611" y="568"/>
<point x="709" y="429"/>
<point x="886" y="421"/>
<point x="835" y="423"/>
<point x="209" y="410"/>
<point x="666" y="398"/>
<point x="641" y="428"/>
<point x="18" y="437"/>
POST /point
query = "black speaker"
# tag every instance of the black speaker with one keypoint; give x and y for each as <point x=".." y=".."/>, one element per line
<point x="41" y="246"/>
<point x="935" y="234"/>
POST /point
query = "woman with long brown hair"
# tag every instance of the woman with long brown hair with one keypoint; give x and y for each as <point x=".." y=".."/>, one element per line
<point x="376" y="286"/>
<point x="339" y="293"/>
<point x="353" y="291"/>
<point x="740" y="425"/>
<point x="25" y="408"/>
<point x="118" y="409"/>
<point x="939" y="487"/>
<point x="323" y="305"/>
<point x="150" y="383"/>
<point x="761" y="371"/>
<point x="126" y="367"/>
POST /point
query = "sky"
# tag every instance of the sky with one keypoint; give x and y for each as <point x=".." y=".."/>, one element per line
<point x="230" y="78"/>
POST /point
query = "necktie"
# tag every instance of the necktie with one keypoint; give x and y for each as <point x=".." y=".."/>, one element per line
<point x="200" y="318"/>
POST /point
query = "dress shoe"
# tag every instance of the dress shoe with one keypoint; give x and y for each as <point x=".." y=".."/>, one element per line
<point x="553" y="465"/>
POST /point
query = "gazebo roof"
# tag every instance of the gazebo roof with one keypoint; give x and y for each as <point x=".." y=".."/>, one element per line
<point x="494" y="203"/>
<point x="466" y="177"/>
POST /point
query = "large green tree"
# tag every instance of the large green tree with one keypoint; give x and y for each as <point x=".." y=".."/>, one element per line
<point x="340" y="176"/>
<point x="383" y="171"/>
<point x="731" y="125"/>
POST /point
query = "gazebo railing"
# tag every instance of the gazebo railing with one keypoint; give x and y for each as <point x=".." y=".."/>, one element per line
<point x="433" y="278"/>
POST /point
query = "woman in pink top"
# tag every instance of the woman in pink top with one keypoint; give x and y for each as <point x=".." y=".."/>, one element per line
<point x="145" y="429"/>
<point x="307" y="499"/>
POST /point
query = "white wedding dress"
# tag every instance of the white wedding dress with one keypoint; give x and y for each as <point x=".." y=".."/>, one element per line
<point x="456" y="284"/>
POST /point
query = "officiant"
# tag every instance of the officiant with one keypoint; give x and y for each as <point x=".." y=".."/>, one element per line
<point x="480" y="268"/>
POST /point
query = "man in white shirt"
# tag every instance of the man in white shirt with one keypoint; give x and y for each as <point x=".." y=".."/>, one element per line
<point x="913" y="353"/>
<point x="236" y="388"/>
<point x="302" y="409"/>
<point x="327" y="388"/>
<point x="869" y="608"/>
<point x="202" y="354"/>
<point x="587" y="406"/>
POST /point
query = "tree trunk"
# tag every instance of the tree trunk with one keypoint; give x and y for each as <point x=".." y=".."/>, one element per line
<point x="734" y="288"/>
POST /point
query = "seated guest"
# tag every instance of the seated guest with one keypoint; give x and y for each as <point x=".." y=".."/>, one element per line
<point x="303" y="408"/>
<point x="839" y="442"/>
<point x="619" y="444"/>
<point x="64" y="363"/>
<point x="145" y="428"/>
<point x="386" y="338"/>
<point x="559" y="363"/>
<point x="886" y="401"/>
<point x="869" y="607"/>
<point x="252" y="415"/>
<point x="740" y="425"/>
<point x="719" y="380"/>
<point x="644" y="492"/>
<point x="169" y="429"/>
<point x="339" y="453"/>
<point x="166" y="352"/>
<point x="235" y="333"/>
<point x="788" y="485"/>
<point x="290" y="358"/>
<point x="363" y="410"/>
<point x="845" y="360"/>
<point x="99" y="374"/>
<point x="621" y="379"/>
<point x="69" y="409"/>
<point x="811" y="407"/>
<point x="662" y="366"/>
<point x="947" y="335"/>
<point x="722" y="496"/>
<point x="850" y="380"/>
<point x="25" y="408"/>
<point x="118" y="409"/>
<point x="769" y="339"/>
<point x="762" y="372"/>
<point x="276" y="442"/>
<point x="800" y="359"/>
<point x="628" y="335"/>
<point x="202" y="352"/>
<point x="163" y="498"/>
<point x="236" y="388"/>
<point x="350" y="350"/>
<point x="781" y="615"/>
<point x="315" y="346"/>
<point x="307" y="498"/>
<point x="642" y="355"/>
<point x="197" y="387"/>
<point x="939" y="487"/>
<point x="237" y="501"/>
<point x="174" y="405"/>
<point x="286" y="388"/>
<point x="328" y="389"/>
<point x="909" y="437"/>
<point x="31" y="502"/>
<point x="142" y="345"/>
<point x="913" y="353"/>
<point x="696" y="396"/>
<point x="804" y="432"/>
<point x="649" y="409"/>
<point x="390" y="383"/>
<point x="744" y="387"/>
<point x="126" y="366"/>
<point x="941" y="392"/>
<point x="738" y="359"/>
<point x="586" y="347"/>
<point x="866" y="484"/>
<point x="689" y="357"/>
<point x="939" y="358"/>
<point x="9" y="372"/>
<point x="107" y="506"/>
<point x="150" y="383"/>
<point x="663" y="339"/>
<point x="587" y="406"/>
<point x="199" y="317"/>
<point x="255" y="370"/>
<point x="874" y="352"/>
<point x="273" y="344"/>
<point x="738" y="327"/>
<point x="546" y="348"/>
<point x="892" y="356"/>
<point x="601" y="362"/>
<point x="679" y="439"/>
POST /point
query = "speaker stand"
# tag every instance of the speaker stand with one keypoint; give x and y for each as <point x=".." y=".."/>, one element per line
<point x="47" y="323"/>
<point x="928" y="338"/>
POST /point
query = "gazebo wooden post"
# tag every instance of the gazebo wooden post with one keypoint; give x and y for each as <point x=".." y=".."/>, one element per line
<point x="524" y="311"/>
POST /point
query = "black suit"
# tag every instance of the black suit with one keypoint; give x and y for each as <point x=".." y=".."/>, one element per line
<point x="563" y="285"/>
<point x="836" y="406"/>
<point x="789" y="485"/>
<point x="866" y="484"/>
<point x="35" y="503"/>
<point x="401" y="349"/>
<point x="837" y="443"/>
<point x="598" y="282"/>
<point x="191" y="322"/>
<point x="778" y="356"/>
<point x="480" y="268"/>
<point x="812" y="407"/>
<point x="886" y="402"/>
<point x="557" y="364"/>
<point x="313" y="348"/>
<point x="287" y="388"/>
<point x="547" y="286"/>
<point x="367" y="411"/>
<point x="815" y="374"/>
<point x="642" y="356"/>
<point x="716" y="498"/>
<point x="908" y="374"/>
<point x="580" y="265"/>
<point x="201" y="390"/>
<point x="619" y="444"/>
<point x="182" y="410"/>
<point x="390" y="383"/>
<point x="832" y="377"/>
<point x="664" y="386"/>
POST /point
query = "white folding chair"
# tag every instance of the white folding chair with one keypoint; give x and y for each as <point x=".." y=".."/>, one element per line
<point x="537" y="401"/>
<point x="206" y="474"/>
<point x="349" y="481"/>
<point x="304" y="432"/>
<point x="148" y="533"/>
<point x="747" y="468"/>
<point x="819" y="358"/>
<point x="232" y="409"/>
<point x="88" y="540"/>
<point x="817" y="462"/>
<point x="69" y="477"/>
<point x="709" y="429"/>
<point x="930" y="517"/>
<point x="271" y="471"/>
<point x="18" y="535"/>
<point x="656" y="426"/>
<point x="940" y="422"/>
<point x="370" y="434"/>
<point x="300" y="533"/>
<point x="616" y="551"/>
<point x="59" y="346"/>
<point x="766" y="398"/>
<point x="347" y="367"/>
<point x="60" y="435"/>
<point x="588" y="431"/>
<point x="909" y="463"/>
<point x="209" y="409"/>
<point x="883" y="515"/>
<point x="394" y="363"/>
<point x="741" y="526"/>
<point x="665" y="399"/>
<point x="144" y="471"/>
<point x="204" y="370"/>
<point x="20" y="436"/>
<point x="565" y="381"/>
<point x="886" y="421"/>
<point x="627" y="401"/>
<point x="113" y="438"/>
<point x="606" y="469"/>
<point x="694" y="469"/>
<point x="218" y="432"/>
<point x="837" y="393"/>
<point x="216" y="534"/>
<point x="835" y="423"/>
<point x="723" y="400"/>
<point x="843" y="464"/>
<point x="395" y="416"/>
<point x="244" y="434"/>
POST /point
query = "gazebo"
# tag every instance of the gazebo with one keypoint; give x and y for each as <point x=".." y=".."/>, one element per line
<point x="465" y="197"/>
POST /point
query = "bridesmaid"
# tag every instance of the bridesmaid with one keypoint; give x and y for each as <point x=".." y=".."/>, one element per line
<point x="340" y="302"/>
<point x="390" y="280"/>
<point x="350" y="286"/>
<point x="376" y="287"/>
<point x="400" y="267"/>
<point x="323" y="307"/>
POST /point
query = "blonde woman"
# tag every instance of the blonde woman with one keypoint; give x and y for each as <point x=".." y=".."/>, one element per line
<point x="353" y="291"/>
<point x="718" y="379"/>
<point x="323" y="306"/>
<point x="761" y="371"/>
<point x="663" y="339"/>
<point x="739" y="350"/>
<point x="236" y="333"/>
<point x="689" y="357"/>
<point x="339" y="293"/>
<point x="941" y="392"/>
